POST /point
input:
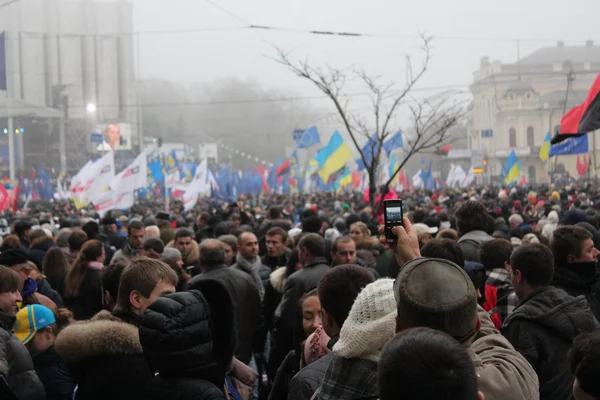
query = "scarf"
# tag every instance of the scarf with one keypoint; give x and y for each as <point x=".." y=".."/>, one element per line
<point x="315" y="347"/>
<point x="129" y="251"/>
<point x="95" y="265"/>
<point x="251" y="268"/>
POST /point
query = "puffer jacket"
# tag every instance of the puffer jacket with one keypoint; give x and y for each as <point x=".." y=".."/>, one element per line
<point x="188" y="340"/>
<point x="542" y="329"/>
<point x="54" y="374"/>
<point x="105" y="343"/>
<point x="16" y="366"/>
<point x="471" y="242"/>
<point x="248" y="311"/>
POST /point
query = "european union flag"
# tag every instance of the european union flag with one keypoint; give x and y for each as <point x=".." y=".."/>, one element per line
<point x="309" y="138"/>
<point x="570" y="146"/>
<point x="395" y="142"/>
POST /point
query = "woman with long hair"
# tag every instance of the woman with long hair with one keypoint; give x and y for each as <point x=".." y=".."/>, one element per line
<point x="83" y="284"/>
<point x="55" y="268"/>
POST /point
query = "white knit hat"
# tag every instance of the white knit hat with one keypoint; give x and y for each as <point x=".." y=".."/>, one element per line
<point x="370" y="324"/>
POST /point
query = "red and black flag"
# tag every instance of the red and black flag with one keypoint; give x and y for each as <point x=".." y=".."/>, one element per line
<point x="582" y="119"/>
<point x="283" y="169"/>
<point x="337" y="174"/>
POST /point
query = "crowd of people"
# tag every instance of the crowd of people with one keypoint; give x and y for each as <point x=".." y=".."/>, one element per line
<point x="485" y="294"/>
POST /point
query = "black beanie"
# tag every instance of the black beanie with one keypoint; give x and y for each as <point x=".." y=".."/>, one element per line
<point x="12" y="257"/>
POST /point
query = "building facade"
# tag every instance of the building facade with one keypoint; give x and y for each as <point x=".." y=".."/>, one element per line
<point x="82" y="52"/>
<point x="515" y="105"/>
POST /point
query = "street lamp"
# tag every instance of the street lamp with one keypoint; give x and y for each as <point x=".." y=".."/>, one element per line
<point x="91" y="108"/>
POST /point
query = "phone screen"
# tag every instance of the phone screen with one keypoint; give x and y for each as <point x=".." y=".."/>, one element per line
<point x="393" y="217"/>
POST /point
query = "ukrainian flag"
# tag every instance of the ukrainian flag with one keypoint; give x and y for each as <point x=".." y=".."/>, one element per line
<point x="337" y="154"/>
<point x="545" y="149"/>
<point x="346" y="179"/>
<point x="513" y="168"/>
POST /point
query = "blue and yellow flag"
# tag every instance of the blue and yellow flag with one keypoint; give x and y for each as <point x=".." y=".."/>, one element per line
<point x="513" y="168"/>
<point x="545" y="149"/>
<point x="338" y="153"/>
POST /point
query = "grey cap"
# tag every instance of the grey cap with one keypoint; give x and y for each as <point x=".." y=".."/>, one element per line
<point x="437" y="294"/>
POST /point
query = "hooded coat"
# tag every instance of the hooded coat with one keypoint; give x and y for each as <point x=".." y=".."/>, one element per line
<point x="16" y="366"/>
<point x="550" y="226"/>
<point x="542" y="329"/>
<point x="105" y="343"/>
<point x="579" y="279"/>
<point x="188" y="341"/>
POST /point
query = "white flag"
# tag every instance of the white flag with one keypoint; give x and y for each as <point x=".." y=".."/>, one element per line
<point x="417" y="181"/>
<point x="104" y="202"/>
<point x="94" y="178"/>
<point x="470" y="178"/>
<point x="197" y="185"/>
<point x="135" y="176"/>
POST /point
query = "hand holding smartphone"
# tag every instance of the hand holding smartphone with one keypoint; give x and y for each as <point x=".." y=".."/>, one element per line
<point x="392" y="217"/>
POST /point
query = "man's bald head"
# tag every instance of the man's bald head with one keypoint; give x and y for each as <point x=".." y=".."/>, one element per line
<point x="212" y="253"/>
<point x="248" y="245"/>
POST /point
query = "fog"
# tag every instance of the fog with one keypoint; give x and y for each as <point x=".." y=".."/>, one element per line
<point x="191" y="41"/>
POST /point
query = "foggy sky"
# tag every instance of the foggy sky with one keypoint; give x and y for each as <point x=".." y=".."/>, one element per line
<point x="243" y="54"/>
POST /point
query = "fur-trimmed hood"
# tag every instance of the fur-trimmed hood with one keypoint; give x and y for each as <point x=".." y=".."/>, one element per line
<point x="368" y="243"/>
<point x="278" y="279"/>
<point x="103" y="336"/>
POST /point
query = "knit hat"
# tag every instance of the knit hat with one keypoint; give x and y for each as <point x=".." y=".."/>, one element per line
<point x="370" y="324"/>
<point x="12" y="257"/>
<point x="437" y="294"/>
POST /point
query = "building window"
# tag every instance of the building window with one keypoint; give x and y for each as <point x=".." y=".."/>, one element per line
<point x="531" y="174"/>
<point x="512" y="137"/>
<point x="530" y="138"/>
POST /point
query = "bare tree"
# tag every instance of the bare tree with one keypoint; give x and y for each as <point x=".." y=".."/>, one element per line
<point x="432" y="118"/>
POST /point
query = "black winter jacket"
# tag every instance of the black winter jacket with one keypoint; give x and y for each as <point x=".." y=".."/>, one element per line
<point x="247" y="305"/>
<point x="105" y="358"/>
<point x="579" y="279"/>
<point x="542" y="329"/>
<point x="54" y="374"/>
<point x="297" y="284"/>
<point x="16" y="367"/>
<point x="48" y="291"/>
<point x="189" y="341"/>
<point x="90" y="300"/>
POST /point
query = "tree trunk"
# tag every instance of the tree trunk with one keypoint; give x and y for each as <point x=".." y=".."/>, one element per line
<point x="372" y="186"/>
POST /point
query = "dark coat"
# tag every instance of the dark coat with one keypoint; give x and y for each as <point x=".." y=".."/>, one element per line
<point x="349" y="379"/>
<point x="54" y="374"/>
<point x="275" y="262"/>
<point x="286" y="319"/>
<point x="579" y="280"/>
<point x="43" y="287"/>
<point x="167" y="234"/>
<point x="307" y="381"/>
<point x="90" y="300"/>
<point x="542" y="329"/>
<point x="16" y="366"/>
<point x="115" y="240"/>
<point x="38" y="250"/>
<point x="471" y="242"/>
<point x="297" y="284"/>
<point x="188" y="339"/>
<point x="288" y="368"/>
<point x="247" y="304"/>
<point x="105" y="343"/>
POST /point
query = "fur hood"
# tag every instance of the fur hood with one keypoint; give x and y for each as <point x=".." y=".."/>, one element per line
<point x="368" y="243"/>
<point x="194" y="255"/>
<point x="43" y="243"/>
<point x="103" y="335"/>
<point x="278" y="279"/>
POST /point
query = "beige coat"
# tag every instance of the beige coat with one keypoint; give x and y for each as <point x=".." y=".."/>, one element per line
<point x="503" y="373"/>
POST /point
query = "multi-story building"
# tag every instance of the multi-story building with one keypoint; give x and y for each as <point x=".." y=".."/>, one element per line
<point x="82" y="50"/>
<point x="515" y="105"/>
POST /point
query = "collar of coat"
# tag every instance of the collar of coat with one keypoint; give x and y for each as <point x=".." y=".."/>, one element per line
<point x="103" y="336"/>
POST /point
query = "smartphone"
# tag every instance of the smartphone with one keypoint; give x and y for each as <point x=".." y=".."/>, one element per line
<point x="392" y="217"/>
